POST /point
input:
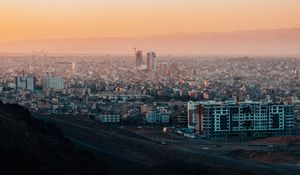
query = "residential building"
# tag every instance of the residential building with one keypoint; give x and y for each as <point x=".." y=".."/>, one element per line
<point x="55" y="83"/>
<point x="25" y="83"/>
<point x="157" y="117"/>
<point x="256" y="119"/>
<point x="108" y="118"/>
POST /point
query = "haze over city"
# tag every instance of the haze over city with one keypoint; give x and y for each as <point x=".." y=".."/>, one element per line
<point x="150" y="87"/>
<point x="87" y="25"/>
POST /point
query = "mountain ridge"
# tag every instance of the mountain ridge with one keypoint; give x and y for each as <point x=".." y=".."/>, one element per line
<point x="284" y="41"/>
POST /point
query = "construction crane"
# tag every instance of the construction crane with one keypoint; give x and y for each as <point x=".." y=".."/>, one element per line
<point x="135" y="48"/>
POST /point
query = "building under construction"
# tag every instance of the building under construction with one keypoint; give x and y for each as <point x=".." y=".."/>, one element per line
<point x="139" y="60"/>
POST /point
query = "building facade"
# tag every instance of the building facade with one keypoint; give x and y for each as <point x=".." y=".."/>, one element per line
<point x="25" y="83"/>
<point x="254" y="119"/>
<point x="151" y="61"/>
<point x="139" y="60"/>
<point x="108" y="118"/>
<point x="154" y="117"/>
<point x="55" y="83"/>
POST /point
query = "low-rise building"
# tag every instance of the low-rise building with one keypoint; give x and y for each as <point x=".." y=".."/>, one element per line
<point x="108" y="118"/>
<point x="153" y="117"/>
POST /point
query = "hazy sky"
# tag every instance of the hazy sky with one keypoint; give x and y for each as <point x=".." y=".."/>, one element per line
<point x="33" y="19"/>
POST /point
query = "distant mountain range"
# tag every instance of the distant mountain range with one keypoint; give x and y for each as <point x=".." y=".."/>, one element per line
<point x="256" y="42"/>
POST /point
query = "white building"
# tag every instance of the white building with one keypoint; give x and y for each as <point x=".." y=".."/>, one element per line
<point x="25" y="83"/>
<point x="108" y="118"/>
<point x="157" y="117"/>
<point x="219" y="119"/>
<point x="152" y="117"/>
<point x="55" y="83"/>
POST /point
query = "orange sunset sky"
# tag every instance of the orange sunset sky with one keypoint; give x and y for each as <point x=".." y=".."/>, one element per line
<point x="35" y="19"/>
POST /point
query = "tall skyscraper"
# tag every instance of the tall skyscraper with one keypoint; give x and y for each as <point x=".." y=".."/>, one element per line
<point x="25" y="83"/>
<point x="139" y="58"/>
<point x="151" y="61"/>
<point x="56" y="83"/>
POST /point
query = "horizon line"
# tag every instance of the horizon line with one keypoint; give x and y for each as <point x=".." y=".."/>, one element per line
<point x="148" y="35"/>
<point x="36" y="53"/>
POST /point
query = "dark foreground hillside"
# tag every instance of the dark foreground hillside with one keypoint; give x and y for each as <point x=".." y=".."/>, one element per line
<point x="33" y="146"/>
<point x="30" y="146"/>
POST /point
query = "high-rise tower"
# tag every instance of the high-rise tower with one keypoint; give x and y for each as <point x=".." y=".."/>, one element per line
<point x="139" y="58"/>
<point x="151" y="61"/>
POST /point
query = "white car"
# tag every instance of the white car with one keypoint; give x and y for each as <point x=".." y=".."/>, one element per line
<point x="163" y="143"/>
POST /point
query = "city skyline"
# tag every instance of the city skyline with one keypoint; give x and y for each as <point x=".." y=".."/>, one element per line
<point x="161" y="87"/>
